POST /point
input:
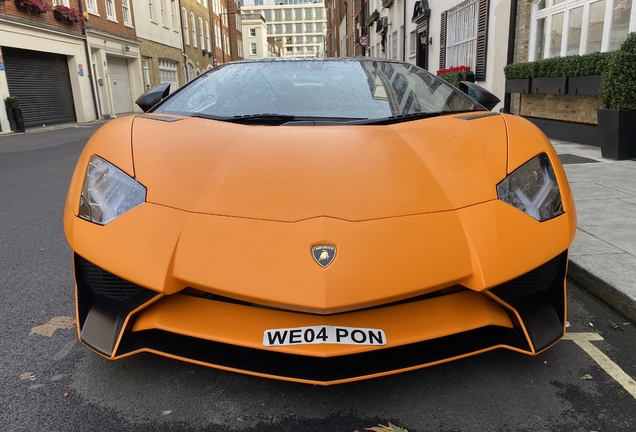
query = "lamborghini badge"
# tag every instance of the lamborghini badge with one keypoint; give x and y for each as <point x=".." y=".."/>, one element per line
<point x="323" y="254"/>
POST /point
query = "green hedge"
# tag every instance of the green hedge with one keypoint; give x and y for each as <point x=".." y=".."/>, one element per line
<point x="619" y="77"/>
<point x="570" y="66"/>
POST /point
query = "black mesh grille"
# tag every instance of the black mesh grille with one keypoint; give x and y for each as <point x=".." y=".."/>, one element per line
<point x="107" y="284"/>
<point x="537" y="280"/>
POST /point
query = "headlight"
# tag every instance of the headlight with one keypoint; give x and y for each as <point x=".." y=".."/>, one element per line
<point x="108" y="192"/>
<point x="532" y="188"/>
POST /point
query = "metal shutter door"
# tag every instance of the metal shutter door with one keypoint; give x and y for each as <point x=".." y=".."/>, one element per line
<point x="42" y="84"/>
<point x="120" y="84"/>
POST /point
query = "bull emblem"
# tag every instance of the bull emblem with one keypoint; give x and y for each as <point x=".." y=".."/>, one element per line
<point x="323" y="254"/>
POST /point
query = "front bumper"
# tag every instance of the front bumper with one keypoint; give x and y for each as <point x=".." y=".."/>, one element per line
<point x="118" y="319"/>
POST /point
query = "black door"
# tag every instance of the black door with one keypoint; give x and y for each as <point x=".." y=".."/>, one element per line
<point x="42" y="84"/>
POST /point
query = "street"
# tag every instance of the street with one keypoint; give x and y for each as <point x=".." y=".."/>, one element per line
<point x="56" y="384"/>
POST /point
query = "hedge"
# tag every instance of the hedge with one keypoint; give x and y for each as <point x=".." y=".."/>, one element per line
<point x="570" y="66"/>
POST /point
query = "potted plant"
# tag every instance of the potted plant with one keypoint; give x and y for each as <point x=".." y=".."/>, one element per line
<point x="372" y="18"/>
<point x="519" y="77"/>
<point x="14" y="113"/>
<point x="617" y="118"/>
<point x="454" y="74"/>
<point x="36" y="6"/>
<point x="68" y="15"/>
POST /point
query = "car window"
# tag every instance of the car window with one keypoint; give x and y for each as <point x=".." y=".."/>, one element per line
<point x="324" y="89"/>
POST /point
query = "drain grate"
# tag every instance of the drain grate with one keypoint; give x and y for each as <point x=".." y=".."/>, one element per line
<point x="567" y="159"/>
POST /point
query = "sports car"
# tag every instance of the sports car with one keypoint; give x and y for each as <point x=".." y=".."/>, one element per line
<point x="319" y="221"/>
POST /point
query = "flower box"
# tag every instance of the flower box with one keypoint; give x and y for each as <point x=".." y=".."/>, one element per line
<point x="585" y="85"/>
<point x="519" y="85"/>
<point x="550" y="85"/>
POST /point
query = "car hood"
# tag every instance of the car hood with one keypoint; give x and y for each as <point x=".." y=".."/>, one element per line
<point x="293" y="173"/>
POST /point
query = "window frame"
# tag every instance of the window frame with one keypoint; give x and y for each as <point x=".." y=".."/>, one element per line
<point x="186" y="30"/>
<point x="126" y="13"/>
<point x="111" y="16"/>
<point x="566" y="7"/>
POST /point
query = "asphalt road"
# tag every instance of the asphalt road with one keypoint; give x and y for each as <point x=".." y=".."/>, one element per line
<point x="56" y="384"/>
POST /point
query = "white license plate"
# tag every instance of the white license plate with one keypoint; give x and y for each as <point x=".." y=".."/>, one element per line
<point x="323" y="335"/>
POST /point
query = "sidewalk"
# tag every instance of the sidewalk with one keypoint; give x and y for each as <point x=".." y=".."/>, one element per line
<point x="603" y="255"/>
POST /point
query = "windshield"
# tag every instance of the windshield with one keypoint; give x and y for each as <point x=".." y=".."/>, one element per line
<point x="364" y="89"/>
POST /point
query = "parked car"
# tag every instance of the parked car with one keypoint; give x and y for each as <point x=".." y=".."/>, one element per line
<point x="319" y="221"/>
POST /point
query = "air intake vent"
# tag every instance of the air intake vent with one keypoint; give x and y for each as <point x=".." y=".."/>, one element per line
<point x="107" y="284"/>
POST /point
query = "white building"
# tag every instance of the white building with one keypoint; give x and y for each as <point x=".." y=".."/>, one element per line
<point x="254" y="32"/>
<point x="438" y="34"/>
<point x="299" y="24"/>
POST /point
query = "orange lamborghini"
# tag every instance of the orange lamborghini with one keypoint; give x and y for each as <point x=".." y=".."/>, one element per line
<point x="319" y="221"/>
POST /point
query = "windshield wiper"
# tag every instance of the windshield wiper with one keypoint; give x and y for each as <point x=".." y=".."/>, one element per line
<point x="406" y="117"/>
<point x="266" y="118"/>
<point x="279" y="119"/>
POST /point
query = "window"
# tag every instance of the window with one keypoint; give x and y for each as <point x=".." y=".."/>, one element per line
<point x="193" y="23"/>
<point x="184" y="22"/>
<point x="318" y="26"/>
<point x="309" y="27"/>
<point x="298" y="13"/>
<point x="309" y="39"/>
<point x="299" y="39"/>
<point x="91" y="6"/>
<point x="299" y="50"/>
<point x="239" y="47"/>
<point x="253" y="49"/>
<point x="310" y="49"/>
<point x="394" y="45"/>
<point x="319" y="14"/>
<point x="568" y="27"/>
<point x="110" y="10"/>
<point x="173" y="9"/>
<point x="151" y="9"/>
<point x="299" y="28"/>
<point x="289" y="28"/>
<point x="205" y="4"/>
<point x="278" y="15"/>
<point x="279" y="28"/>
<point x="162" y="3"/>
<point x="201" y="36"/>
<point x="463" y="37"/>
<point x="309" y="14"/>
<point x="270" y="29"/>
<point x="412" y="43"/>
<point x="207" y="36"/>
<point x="289" y="49"/>
<point x="288" y="15"/>
<point x="268" y="15"/>
<point x="253" y="32"/>
<point x="125" y="12"/>
<point x="61" y="3"/>
<point x="217" y="35"/>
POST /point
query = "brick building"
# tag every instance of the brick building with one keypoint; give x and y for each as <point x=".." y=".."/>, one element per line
<point x="43" y="61"/>
<point x="158" y="29"/>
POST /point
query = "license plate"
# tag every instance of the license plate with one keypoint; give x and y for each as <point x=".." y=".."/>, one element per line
<point x="323" y="335"/>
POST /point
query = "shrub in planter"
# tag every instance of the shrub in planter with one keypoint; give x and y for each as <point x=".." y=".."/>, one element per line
<point x="14" y="113"/>
<point x="617" y="119"/>
<point x="454" y="74"/>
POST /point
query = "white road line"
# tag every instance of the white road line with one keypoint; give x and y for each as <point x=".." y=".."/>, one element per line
<point x="583" y="340"/>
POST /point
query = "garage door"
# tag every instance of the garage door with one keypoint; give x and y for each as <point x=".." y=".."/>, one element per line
<point x="42" y="84"/>
<point x="120" y="84"/>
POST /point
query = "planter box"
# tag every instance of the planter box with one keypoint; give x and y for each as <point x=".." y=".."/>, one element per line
<point x="15" y="119"/>
<point x="585" y="85"/>
<point x="550" y="85"/>
<point x="618" y="128"/>
<point x="518" y="85"/>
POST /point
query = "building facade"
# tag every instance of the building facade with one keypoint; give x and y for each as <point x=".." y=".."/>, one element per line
<point x="300" y="25"/>
<point x="43" y="61"/>
<point x="198" y="49"/>
<point x="158" y="28"/>
<point x="552" y="28"/>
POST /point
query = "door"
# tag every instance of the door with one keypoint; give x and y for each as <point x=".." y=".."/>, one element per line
<point x="120" y="84"/>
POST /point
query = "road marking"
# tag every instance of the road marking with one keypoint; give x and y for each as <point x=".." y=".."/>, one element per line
<point x="584" y="341"/>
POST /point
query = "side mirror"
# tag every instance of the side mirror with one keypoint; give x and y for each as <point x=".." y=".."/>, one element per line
<point x="480" y="94"/>
<point x="153" y="96"/>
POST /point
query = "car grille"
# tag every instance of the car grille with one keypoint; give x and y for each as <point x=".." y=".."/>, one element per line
<point x="537" y="280"/>
<point x="107" y="284"/>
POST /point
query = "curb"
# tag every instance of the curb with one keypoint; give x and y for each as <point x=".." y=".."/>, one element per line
<point x="608" y="293"/>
